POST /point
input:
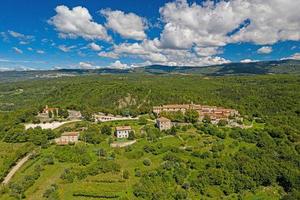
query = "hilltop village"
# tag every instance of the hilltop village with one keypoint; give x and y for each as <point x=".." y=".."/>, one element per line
<point x="165" y="118"/>
<point x="212" y="113"/>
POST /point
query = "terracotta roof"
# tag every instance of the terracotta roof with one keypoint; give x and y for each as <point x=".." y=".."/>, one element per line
<point x="199" y="108"/>
<point x="157" y="106"/>
<point x="163" y="119"/>
<point x="123" y="128"/>
<point x="176" y="106"/>
<point x="49" y="108"/>
<point x="62" y="142"/>
<point x="70" y="134"/>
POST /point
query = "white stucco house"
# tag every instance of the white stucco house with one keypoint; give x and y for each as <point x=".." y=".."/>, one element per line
<point x="123" y="131"/>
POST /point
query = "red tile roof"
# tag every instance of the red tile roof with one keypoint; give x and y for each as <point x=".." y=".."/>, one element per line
<point x="163" y="119"/>
<point x="123" y="128"/>
<point x="70" y="134"/>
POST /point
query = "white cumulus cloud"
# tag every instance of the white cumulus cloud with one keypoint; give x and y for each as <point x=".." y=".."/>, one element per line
<point x="193" y="34"/>
<point x="20" y="35"/>
<point x="77" y="22"/>
<point x="270" y="21"/>
<point x="295" y="56"/>
<point x="40" y="51"/>
<point x="248" y="60"/>
<point x="217" y="24"/>
<point x="118" y="65"/>
<point x="128" y="25"/>
<point x="149" y="50"/>
<point x="86" y="65"/>
<point x="265" y="50"/>
<point x="24" y="39"/>
<point x="94" y="46"/>
<point x="109" y="54"/>
<point x="65" y="48"/>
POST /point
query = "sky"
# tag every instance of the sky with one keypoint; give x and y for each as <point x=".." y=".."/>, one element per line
<point x="131" y="33"/>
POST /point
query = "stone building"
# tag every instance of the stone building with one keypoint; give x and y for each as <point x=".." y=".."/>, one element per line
<point x="163" y="123"/>
<point x="67" y="138"/>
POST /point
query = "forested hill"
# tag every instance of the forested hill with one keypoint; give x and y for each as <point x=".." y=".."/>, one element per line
<point x="255" y="68"/>
<point x="266" y="67"/>
<point x="267" y="96"/>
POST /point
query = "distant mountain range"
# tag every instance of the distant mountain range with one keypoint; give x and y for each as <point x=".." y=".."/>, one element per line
<point x="254" y="68"/>
<point x="263" y="67"/>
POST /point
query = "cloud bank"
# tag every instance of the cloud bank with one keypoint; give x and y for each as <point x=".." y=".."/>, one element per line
<point x="192" y="34"/>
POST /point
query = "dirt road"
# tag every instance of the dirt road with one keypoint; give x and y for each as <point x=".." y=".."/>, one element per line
<point x="16" y="168"/>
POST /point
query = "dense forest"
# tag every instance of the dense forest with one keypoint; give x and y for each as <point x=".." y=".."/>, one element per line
<point x="236" y="161"/>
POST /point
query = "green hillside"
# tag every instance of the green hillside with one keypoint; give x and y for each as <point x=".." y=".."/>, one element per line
<point x="194" y="161"/>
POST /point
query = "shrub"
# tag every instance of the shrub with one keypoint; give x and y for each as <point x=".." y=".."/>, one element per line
<point x="297" y="147"/>
<point x="221" y="134"/>
<point x="173" y="130"/>
<point x="106" y="130"/>
<point x="186" y="186"/>
<point x="138" y="172"/>
<point x="191" y="116"/>
<point x="48" y="160"/>
<point x="126" y="174"/>
<point x="142" y="121"/>
<point x="148" y="148"/>
<point x="101" y="152"/>
<point x="222" y="122"/>
<point x="85" y="161"/>
<point x="103" y="195"/>
<point x="206" y="119"/>
<point x="147" y="162"/>
<point x="68" y="176"/>
<point x="171" y="157"/>
<point x="131" y="135"/>
<point x="216" y="148"/>
<point x="51" y="192"/>
<point x="180" y="195"/>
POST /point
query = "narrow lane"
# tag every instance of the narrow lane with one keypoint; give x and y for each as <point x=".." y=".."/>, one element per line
<point x="15" y="168"/>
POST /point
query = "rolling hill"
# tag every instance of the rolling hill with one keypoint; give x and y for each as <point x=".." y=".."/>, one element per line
<point x="255" y="68"/>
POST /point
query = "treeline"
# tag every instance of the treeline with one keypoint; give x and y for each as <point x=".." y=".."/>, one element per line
<point x="37" y="136"/>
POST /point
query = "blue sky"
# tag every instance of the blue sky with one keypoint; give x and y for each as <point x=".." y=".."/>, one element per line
<point x="130" y="33"/>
